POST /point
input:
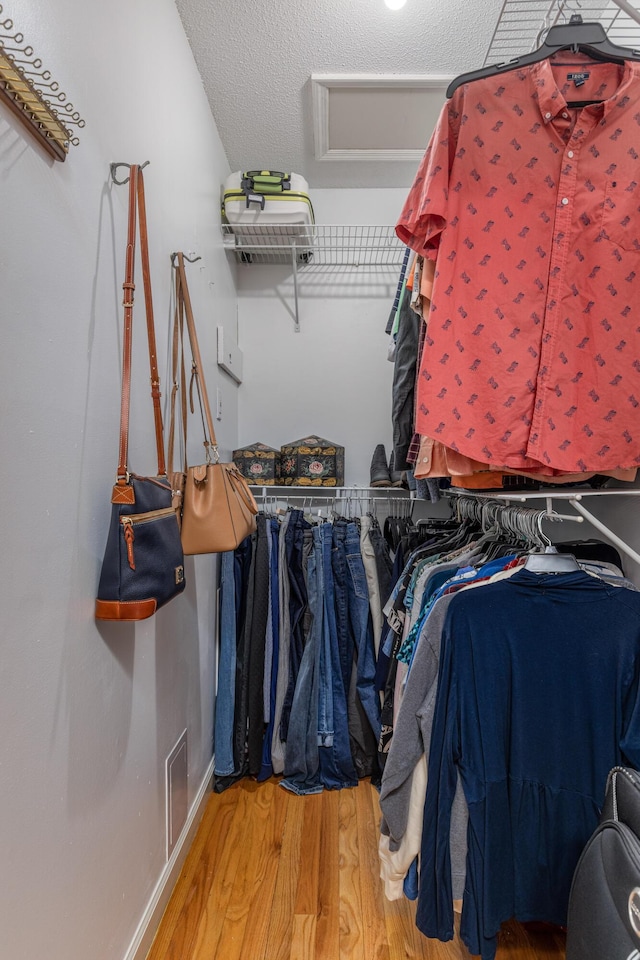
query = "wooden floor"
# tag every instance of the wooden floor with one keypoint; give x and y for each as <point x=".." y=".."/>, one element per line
<point x="273" y="876"/>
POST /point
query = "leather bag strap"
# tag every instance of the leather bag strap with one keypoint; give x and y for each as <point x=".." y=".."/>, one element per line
<point x="151" y="333"/>
<point x="137" y="208"/>
<point x="178" y="376"/>
<point x="128" y="287"/>
<point x="210" y="442"/>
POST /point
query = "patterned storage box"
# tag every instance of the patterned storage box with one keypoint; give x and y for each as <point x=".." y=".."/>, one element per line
<point x="312" y="462"/>
<point x="258" y="463"/>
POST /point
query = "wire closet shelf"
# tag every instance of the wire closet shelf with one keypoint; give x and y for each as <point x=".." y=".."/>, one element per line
<point x="522" y="23"/>
<point x="316" y="245"/>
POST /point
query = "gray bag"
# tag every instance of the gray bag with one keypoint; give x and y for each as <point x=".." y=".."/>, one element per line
<point x="604" y="903"/>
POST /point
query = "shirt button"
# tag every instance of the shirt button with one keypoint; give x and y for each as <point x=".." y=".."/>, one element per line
<point x="570" y="154"/>
<point x="547" y="116"/>
<point x="566" y="116"/>
<point x="565" y="201"/>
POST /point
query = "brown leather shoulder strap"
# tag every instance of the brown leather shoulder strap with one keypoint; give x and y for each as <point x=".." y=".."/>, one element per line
<point x="151" y="333"/>
<point x="137" y="207"/>
<point x="197" y="374"/>
<point x="127" y="302"/>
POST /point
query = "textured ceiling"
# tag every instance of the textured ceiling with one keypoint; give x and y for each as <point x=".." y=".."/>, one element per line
<point x="256" y="57"/>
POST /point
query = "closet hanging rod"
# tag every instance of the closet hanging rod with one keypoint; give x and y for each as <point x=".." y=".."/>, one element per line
<point x="400" y="494"/>
<point x="548" y="514"/>
<point x="544" y="494"/>
<point x="315" y="498"/>
<point x="574" y="499"/>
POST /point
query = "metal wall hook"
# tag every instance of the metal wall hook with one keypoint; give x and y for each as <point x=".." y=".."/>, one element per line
<point x="114" y="166"/>
<point x="188" y="259"/>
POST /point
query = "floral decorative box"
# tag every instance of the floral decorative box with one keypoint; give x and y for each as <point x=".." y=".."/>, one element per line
<point x="258" y="463"/>
<point x="312" y="462"/>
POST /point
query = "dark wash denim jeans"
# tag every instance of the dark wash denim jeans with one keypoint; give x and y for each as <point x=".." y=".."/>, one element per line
<point x="298" y="600"/>
<point x="355" y="638"/>
<point x="266" y="769"/>
<point x="336" y="764"/>
<point x="302" y="762"/>
<point x="226" y="695"/>
<point x="360" y="620"/>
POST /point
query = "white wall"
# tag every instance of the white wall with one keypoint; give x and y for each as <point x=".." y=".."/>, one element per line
<point x="89" y="711"/>
<point x="333" y="377"/>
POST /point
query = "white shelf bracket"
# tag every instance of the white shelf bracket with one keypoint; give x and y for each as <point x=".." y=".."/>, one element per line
<point x="603" y="528"/>
<point x="294" y="264"/>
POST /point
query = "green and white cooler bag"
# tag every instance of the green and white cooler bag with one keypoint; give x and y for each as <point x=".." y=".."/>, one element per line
<point x="267" y="208"/>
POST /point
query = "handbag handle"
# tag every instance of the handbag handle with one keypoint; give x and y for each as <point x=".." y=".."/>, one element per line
<point x="137" y="210"/>
<point x="210" y="442"/>
<point x="177" y="359"/>
<point x="239" y="484"/>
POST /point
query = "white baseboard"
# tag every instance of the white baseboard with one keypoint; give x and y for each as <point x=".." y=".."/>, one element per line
<point x="143" y="937"/>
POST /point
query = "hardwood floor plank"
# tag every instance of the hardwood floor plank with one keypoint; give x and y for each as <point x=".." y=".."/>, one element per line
<point x="184" y="911"/>
<point x="288" y="872"/>
<point x="303" y="941"/>
<point x="376" y="946"/>
<point x="307" y="894"/>
<point x="328" y="912"/>
<point x="351" y="934"/>
<point x="403" y="937"/>
<point x="249" y="841"/>
<point x="226" y="894"/>
<point x="256" y="935"/>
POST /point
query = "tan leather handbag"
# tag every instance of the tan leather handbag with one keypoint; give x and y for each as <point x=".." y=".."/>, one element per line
<point x="218" y="508"/>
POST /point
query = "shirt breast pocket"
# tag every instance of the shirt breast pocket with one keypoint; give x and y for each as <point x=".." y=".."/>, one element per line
<point x="620" y="215"/>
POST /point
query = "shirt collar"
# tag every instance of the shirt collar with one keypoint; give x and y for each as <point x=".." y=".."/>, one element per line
<point x="551" y="101"/>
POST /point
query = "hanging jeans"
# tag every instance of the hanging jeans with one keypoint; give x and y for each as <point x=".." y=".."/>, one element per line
<point x="284" y="641"/>
<point x="226" y="694"/>
<point x="336" y="764"/>
<point x="297" y="605"/>
<point x="373" y="586"/>
<point x="231" y="692"/>
<point x="384" y="563"/>
<point x="355" y="639"/>
<point x="301" y="770"/>
<point x="255" y="663"/>
<point x="360" y="617"/>
<point x="266" y="769"/>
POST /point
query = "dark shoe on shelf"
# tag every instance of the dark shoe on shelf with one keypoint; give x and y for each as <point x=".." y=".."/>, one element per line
<point x="396" y="475"/>
<point x="379" y="469"/>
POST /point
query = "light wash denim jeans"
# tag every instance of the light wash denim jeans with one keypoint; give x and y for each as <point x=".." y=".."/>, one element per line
<point x="226" y="695"/>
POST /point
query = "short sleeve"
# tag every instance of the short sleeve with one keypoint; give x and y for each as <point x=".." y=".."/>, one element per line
<point x="424" y="215"/>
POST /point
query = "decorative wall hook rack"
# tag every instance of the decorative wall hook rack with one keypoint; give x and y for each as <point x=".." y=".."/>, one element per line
<point x="33" y="96"/>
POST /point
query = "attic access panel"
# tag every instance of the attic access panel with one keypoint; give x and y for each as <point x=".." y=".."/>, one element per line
<point x="375" y="117"/>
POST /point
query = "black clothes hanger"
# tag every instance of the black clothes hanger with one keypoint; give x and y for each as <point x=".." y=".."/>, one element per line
<point x="588" y="38"/>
